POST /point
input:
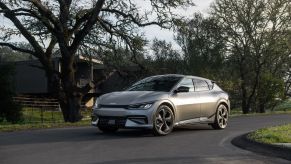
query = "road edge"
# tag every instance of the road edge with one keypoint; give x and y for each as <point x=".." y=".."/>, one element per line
<point x="244" y="142"/>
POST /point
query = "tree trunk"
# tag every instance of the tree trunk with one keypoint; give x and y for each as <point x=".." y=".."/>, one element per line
<point x="62" y="85"/>
<point x="71" y="106"/>
<point x="245" y="104"/>
<point x="54" y="85"/>
<point x="262" y="107"/>
<point x="245" y="107"/>
<point x="70" y="96"/>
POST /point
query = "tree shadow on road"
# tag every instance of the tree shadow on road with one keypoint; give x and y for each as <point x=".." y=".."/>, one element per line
<point x="84" y="134"/>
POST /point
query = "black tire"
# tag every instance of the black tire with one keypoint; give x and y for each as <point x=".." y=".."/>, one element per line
<point x="163" y="121"/>
<point x="221" y="117"/>
<point x="107" y="129"/>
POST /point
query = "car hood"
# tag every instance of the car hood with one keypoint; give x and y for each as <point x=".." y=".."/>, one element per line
<point x="131" y="97"/>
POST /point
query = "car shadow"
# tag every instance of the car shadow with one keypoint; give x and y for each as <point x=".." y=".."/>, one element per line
<point x="160" y="160"/>
<point x="85" y="134"/>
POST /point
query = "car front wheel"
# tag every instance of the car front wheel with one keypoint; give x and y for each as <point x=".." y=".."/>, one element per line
<point x="163" y="121"/>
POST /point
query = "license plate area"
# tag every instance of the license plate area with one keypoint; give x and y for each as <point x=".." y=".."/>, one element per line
<point x="111" y="122"/>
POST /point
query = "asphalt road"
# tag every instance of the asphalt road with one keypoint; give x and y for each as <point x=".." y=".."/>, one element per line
<point x="196" y="144"/>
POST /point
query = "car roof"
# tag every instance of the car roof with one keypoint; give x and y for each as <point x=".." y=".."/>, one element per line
<point x="187" y="76"/>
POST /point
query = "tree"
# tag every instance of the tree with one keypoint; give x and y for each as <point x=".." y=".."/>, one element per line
<point x="9" y="111"/>
<point x="8" y="55"/>
<point x="274" y="74"/>
<point x="67" y="24"/>
<point x="164" y="58"/>
<point x="270" y="89"/>
<point x="202" y="44"/>
<point x="251" y="28"/>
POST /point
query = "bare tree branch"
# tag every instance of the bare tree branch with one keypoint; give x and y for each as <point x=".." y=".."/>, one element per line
<point x="45" y="12"/>
<point x="13" y="47"/>
<point x="64" y="15"/>
<point x="134" y="20"/>
<point x="80" y="35"/>
<point x="51" y="46"/>
<point x="127" y="39"/>
<point x="10" y="15"/>
<point x="31" y="13"/>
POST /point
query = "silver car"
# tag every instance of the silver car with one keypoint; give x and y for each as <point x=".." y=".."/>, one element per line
<point x="161" y="103"/>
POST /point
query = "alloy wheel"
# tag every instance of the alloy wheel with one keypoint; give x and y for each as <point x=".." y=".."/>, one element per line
<point x="164" y="120"/>
<point x="222" y="116"/>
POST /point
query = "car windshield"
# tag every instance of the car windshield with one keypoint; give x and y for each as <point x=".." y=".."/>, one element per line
<point x="156" y="83"/>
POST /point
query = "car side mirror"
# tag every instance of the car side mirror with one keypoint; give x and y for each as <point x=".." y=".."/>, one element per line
<point x="182" y="89"/>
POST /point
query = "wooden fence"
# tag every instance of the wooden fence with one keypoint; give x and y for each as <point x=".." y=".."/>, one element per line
<point x="41" y="110"/>
<point x="47" y="103"/>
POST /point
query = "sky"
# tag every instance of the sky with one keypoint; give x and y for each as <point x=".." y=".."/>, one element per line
<point x="153" y="31"/>
<point x="150" y="32"/>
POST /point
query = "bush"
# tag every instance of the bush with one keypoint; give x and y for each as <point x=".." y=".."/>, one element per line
<point x="9" y="110"/>
<point x="270" y="91"/>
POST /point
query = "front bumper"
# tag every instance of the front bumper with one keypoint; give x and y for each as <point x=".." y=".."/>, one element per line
<point x="124" y="118"/>
<point x="122" y="122"/>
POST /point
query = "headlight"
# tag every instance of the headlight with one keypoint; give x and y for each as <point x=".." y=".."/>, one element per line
<point x="96" y="105"/>
<point x="141" y="106"/>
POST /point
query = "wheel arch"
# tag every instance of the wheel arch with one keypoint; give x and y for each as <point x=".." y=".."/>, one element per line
<point x="225" y="103"/>
<point x="170" y="105"/>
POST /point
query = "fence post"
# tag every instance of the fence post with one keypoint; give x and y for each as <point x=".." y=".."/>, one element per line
<point x="41" y="114"/>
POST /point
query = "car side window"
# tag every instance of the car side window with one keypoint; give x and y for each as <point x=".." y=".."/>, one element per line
<point x="187" y="83"/>
<point x="201" y="85"/>
<point x="210" y="84"/>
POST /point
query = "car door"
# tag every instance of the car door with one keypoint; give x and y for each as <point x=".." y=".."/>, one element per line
<point x="207" y="98"/>
<point x="187" y="103"/>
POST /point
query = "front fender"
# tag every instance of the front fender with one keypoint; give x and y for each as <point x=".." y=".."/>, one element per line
<point x="167" y="102"/>
<point x="224" y="101"/>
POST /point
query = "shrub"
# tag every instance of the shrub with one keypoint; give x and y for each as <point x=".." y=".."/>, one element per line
<point x="9" y="110"/>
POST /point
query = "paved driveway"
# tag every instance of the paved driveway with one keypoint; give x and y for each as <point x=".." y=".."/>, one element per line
<point x="195" y="144"/>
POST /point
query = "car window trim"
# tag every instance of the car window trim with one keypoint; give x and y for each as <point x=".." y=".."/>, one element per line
<point x="195" y="81"/>
<point x="176" y="85"/>
<point x="192" y="83"/>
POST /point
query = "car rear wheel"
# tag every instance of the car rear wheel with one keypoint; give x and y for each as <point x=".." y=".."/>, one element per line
<point x="221" y="117"/>
<point x="108" y="129"/>
<point x="163" y="121"/>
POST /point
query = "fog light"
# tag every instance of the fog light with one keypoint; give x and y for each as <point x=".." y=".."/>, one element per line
<point x="139" y="120"/>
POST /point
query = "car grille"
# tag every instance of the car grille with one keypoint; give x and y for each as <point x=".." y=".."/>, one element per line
<point x="105" y="121"/>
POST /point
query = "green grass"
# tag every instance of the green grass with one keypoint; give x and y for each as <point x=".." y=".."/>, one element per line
<point x="37" y="115"/>
<point x="284" y="106"/>
<point x="32" y="115"/>
<point x="239" y="113"/>
<point x="277" y="134"/>
<point x="31" y="126"/>
<point x="35" y="118"/>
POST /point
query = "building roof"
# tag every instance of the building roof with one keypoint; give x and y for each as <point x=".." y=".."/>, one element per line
<point x="88" y="59"/>
<point x="79" y="58"/>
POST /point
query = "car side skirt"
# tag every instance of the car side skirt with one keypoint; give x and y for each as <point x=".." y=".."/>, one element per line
<point x="201" y="120"/>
